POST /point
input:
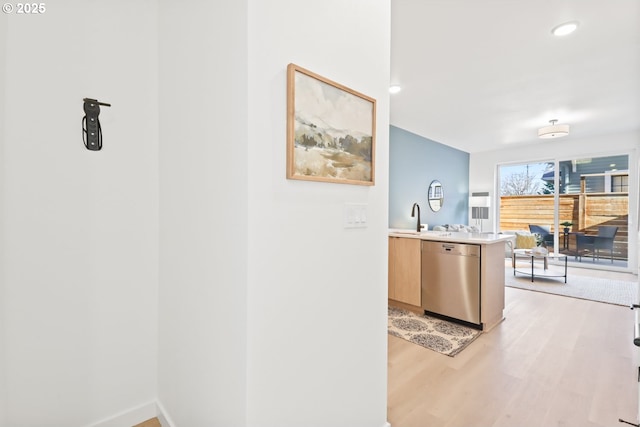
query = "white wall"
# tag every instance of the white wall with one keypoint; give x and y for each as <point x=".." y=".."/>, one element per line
<point x="271" y="314"/>
<point x="203" y="212"/>
<point x="317" y="292"/>
<point x="482" y="167"/>
<point x="79" y="228"/>
<point x="3" y="319"/>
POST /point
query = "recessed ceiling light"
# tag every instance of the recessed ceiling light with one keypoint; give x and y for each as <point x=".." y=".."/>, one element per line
<point x="564" y="29"/>
<point x="395" y="89"/>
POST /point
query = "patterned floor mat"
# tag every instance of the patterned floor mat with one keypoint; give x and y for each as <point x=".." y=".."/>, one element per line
<point x="435" y="334"/>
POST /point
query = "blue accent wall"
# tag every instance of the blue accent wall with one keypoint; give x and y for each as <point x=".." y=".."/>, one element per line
<point x="414" y="162"/>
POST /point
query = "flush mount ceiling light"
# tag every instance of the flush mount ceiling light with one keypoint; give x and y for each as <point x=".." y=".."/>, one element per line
<point x="553" y="131"/>
<point x="395" y="89"/>
<point x="564" y="29"/>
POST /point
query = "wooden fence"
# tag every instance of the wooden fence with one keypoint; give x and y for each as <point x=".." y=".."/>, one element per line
<point x="585" y="211"/>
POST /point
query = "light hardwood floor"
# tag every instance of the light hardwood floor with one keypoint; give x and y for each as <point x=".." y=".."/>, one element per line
<point x="153" y="422"/>
<point x="554" y="361"/>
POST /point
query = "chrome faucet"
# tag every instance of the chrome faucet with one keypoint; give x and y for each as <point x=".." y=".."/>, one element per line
<point x="413" y="214"/>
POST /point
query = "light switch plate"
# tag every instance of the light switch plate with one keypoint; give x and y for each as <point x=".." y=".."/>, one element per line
<point x="355" y="215"/>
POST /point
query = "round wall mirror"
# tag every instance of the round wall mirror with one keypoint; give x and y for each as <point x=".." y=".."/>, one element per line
<point x="435" y="195"/>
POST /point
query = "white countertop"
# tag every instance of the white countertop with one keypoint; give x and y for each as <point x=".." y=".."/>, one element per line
<point x="453" y="236"/>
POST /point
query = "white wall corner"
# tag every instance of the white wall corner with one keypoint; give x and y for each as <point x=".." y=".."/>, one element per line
<point x="130" y="417"/>
<point x="163" y="416"/>
<point x="138" y="415"/>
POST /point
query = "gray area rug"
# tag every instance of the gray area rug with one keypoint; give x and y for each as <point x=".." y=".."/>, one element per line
<point x="590" y="288"/>
<point x="435" y="334"/>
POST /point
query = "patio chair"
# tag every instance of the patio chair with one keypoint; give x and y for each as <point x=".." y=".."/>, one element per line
<point x="595" y="243"/>
<point x="545" y="234"/>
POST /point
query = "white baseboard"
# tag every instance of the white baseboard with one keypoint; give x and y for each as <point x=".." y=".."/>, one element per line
<point x="129" y="417"/>
<point x="144" y="412"/>
<point x="163" y="416"/>
<point x="165" y="419"/>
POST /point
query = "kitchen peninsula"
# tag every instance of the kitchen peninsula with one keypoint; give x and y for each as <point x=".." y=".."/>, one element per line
<point x="456" y="275"/>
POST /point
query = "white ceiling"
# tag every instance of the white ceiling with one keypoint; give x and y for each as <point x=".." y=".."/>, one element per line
<point x="480" y="75"/>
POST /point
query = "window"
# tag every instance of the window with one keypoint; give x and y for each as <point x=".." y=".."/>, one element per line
<point x="620" y="184"/>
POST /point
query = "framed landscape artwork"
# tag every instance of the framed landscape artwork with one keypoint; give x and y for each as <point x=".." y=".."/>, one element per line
<point x="330" y="130"/>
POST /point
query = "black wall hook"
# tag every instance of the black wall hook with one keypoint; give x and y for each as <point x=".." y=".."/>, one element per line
<point x="91" y="129"/>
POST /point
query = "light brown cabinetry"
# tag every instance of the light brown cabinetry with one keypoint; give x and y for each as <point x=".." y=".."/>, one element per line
<point x="405" y="275"/>
<point x="492" y="285"/>
<point x="405" y="270"/>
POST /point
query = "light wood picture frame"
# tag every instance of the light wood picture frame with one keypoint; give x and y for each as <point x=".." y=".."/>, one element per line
<point x="330" y="130"/>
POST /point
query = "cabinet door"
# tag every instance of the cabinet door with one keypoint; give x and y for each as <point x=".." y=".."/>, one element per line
<point x="406" y="270"/>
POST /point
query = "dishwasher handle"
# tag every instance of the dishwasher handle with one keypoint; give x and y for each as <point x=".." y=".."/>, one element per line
<point x="460" y="249"/>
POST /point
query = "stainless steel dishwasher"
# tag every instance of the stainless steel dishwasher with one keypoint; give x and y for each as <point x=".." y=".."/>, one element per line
<point x="451" y="280"/>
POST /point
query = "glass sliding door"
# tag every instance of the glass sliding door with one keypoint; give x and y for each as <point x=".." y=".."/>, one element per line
<point x="582" y="203"/>
<point x="594" y="198"/>
<point x="526" y="197"/>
